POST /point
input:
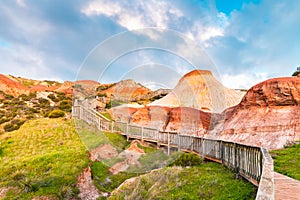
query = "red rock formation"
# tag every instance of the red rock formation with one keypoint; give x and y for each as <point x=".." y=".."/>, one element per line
<point x="268" y="115"/>
<point x="17" y="86"/>
<point x="188" y="121"/>
<point x="122" y="113"/>
<point x="126" y="90"/>
<point x="200" y="90"/>
<point x="66" y="87"/>
<point x="141" y="117"/>
<point x="182" y="119"/>
<point x="274" y="92"/>
<point x="12" y="87"/>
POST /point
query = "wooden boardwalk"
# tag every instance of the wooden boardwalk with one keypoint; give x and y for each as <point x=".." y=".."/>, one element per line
<point x="286" y="188"/>
<point x="253" y="163"/>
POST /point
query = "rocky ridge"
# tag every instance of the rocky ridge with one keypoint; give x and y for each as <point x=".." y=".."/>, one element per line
<point x="268" y="115"/>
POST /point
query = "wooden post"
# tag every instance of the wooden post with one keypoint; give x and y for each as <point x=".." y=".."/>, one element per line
<point x="168" y="143"/>
<point x="203" y="148"/>
<point x="222" y="152"/>
<point x="178" y="139"/>
<point x="235" y="161"/>
<point x="112" y="126"/>
<point x="142" y="134"/>
<point x="80" y="112"/>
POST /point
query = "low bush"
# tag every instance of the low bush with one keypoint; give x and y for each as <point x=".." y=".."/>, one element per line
<point x="10" y="127"/>
<point x="52" y="97"/>
<point x="187" y="159"/>
<point x="56" y="114"/>
<point x="65" y="105"/>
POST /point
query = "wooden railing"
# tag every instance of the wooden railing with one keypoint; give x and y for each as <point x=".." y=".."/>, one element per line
<point x="252" y="163"/>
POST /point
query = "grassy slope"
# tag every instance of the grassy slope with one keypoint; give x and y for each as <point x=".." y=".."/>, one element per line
<point x="44" y="157"/>
<point x="92" y="137"/>
<point x="287" y="161"/>
<point x="207" y="181"/>
<point x="210" y="180"/>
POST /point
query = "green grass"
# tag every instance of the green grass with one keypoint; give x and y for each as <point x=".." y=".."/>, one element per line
<point x="104" y="180"/>
<point x="208" y="181"/>
<point x="42" y="158"/>
<point x="147" y="149"/>
<point x="92" y="137"/>
<point x="287" y="161"/>
<point x="149" y="161"/>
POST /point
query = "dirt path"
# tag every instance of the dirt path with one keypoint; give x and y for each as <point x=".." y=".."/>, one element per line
<point x="286" y="188"/>
<point x="88" y="190"/>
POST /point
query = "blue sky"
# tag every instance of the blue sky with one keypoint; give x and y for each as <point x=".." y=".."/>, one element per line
<point x="247" y="40"/>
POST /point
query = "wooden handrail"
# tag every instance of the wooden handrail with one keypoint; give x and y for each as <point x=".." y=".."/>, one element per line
<point x="251" y="162"/>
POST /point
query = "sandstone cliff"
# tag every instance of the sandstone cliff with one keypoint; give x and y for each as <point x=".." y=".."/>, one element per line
<point x="268" y="115"/>
<point x="181" y="119"/>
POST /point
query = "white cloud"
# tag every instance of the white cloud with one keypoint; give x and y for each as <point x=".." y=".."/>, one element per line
<point x="259" y="42"/>
<point x="135" y="15"/>
<point x="242" y="81"/>
<point x="21" y="3"/>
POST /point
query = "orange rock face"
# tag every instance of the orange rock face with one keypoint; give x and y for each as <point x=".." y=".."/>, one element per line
<point x="126" y="90"/>
<point x="274" y="92"/>
<point x="200" y="90"/>
<point x="269" y="115"/>
<point x="188" y="121"/>
<point x="17" y="86"/>
<point x="182" y="119"/>
<point x="12" y="87"/>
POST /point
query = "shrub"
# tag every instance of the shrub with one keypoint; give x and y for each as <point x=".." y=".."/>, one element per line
<point x="62" y="96"/>
<point x="32" y="95"/>
<point x="101" y="95"/>
<point x="10" y="127"/>
<point x="187" y="159"/>
<point x="56" y="114"/>
<point x="13" y="125"/>
<point x="296" y="73"/>
<point x="43" y="101"/>
<point x="18" y="122"/>
<point x="53" y="97"/>
<point x="24" y="97"/>
<point x="3" y="120"/>
<point x="65" y="105"/>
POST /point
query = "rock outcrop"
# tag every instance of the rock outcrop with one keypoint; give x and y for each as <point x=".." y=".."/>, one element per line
<point x="17" y="86"/>
<point x="182" y="119"/>
<point x="126" y="91"/>
<point x="11" y="87"/>
<point x="200" y="90"/>
<point x="268" y="115"/>
<point x="187" y="108"/>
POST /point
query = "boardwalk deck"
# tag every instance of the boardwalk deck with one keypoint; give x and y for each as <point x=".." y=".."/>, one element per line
<point x="286" y="188"/>
<point x="253" y="163"/>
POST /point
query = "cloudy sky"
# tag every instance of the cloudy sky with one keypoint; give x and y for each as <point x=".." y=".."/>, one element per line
<point x="243" y="42"/>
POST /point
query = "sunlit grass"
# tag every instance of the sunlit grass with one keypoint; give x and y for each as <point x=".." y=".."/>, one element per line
<point x="43" y="157"/>
<point x="287" y="161"/>
<point x="207" y="181"/>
